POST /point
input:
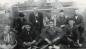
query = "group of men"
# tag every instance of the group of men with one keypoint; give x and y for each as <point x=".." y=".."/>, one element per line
<point x="37" y="34"/>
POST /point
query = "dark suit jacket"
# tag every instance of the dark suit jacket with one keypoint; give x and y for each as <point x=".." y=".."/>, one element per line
<point x="36" y="27"/>
<point x="18" y="23"/>
<point x="25" y="36"/>
<point x="61" y="21"/>
<point x="79" y="22"/>
<point x="72" y="31"/>
<point x="32" y="20"/>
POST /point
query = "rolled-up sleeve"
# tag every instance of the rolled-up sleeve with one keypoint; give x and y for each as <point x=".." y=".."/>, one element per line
<point x="43" y="33"/>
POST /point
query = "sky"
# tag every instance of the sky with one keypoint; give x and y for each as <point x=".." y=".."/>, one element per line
<point x="10" y="2"/>
<point x="81" y="4"/>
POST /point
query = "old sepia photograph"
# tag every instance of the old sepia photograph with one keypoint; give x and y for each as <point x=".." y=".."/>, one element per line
<point x="42" y="24"/>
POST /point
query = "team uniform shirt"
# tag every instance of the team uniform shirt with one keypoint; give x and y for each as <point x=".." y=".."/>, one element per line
<point x="51" y="33"/>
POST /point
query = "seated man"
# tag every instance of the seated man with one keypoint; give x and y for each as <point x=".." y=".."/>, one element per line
<point x="51" y="34"/>
<point x="8" y="41"/>
<point x="72" y="35"/>
<point x="25" y="37"/>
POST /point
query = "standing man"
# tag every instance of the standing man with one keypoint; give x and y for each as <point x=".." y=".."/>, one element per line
<point x="79" y="23"/>
<point x="36" y="21"/>
<point x="61" y="20"/>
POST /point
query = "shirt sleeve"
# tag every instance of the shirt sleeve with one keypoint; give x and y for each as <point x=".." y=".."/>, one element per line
<point x="43" y="33"/>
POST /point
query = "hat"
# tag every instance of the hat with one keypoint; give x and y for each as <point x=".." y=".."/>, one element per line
<point x="25" y="26"/>
<point x="21" y="14"/>
<point x="61" y="11"/>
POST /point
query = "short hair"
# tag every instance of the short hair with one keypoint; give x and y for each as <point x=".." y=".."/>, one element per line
<point x="21" y="14"/>
<point x="70" y="19"/>
<point x="51" y="21"/>
<point x="26" y="26"/>
<point x="61" y="10"/>
<point x="36" y="8"/>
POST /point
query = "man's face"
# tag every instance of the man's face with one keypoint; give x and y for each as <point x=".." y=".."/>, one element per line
<point x="28" y="28"/>
<point x="51" y="24"/>
<point x="61" y="13"/>
<point x="7" y="28"/>
<point x="71" y="22"/>
<point x="35" y="10"/>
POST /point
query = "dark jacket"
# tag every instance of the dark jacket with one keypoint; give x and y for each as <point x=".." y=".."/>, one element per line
<point x="80" y="24"/>
<point x="36" y="26"/>
<point x="18" y="23"/>
<point x="61" y="21"/>
<point x="32" y="20"/>
<point x="25" y="36"/>
<point x="72" y="31"/>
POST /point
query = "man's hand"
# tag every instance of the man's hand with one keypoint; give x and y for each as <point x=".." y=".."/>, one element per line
<point x="62" y="26"/>
<point x="27" y="43"/>
<point x="48" y="41"/>
<point x="24" y="43"/>
<point x="79" y="43"/>
<point x="56" y="39"/>
<point x="69" y="39"/>
<point x="34" y="41"/>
